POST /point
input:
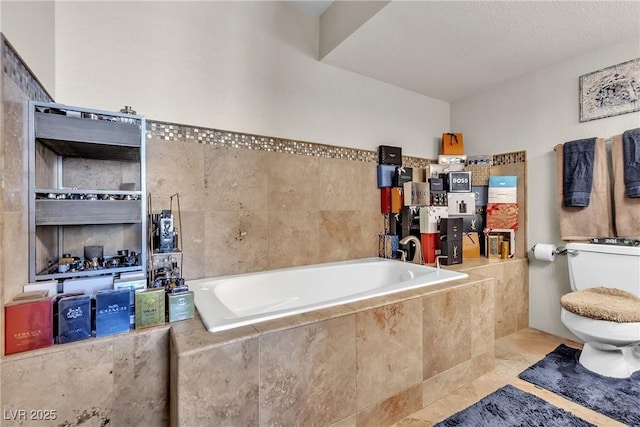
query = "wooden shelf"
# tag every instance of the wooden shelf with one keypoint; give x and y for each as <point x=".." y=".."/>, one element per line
<point x="80" y="212"/>
<point x="88" y="138"/>
<point x="45" y="275"/>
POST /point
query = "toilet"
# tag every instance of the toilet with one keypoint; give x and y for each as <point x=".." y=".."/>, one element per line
<point x="604" y="309"/>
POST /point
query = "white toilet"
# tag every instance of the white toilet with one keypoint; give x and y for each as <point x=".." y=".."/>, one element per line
<point x="611" y="348"/>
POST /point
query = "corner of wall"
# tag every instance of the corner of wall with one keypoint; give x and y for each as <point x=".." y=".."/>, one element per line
<point x="30" y="26"/>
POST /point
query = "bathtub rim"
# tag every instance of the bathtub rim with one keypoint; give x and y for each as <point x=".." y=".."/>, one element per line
<point x="189" y="337"/>
<point x="252" y="320"/>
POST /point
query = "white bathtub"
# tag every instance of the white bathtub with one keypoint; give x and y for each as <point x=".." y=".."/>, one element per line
<point x="231" y="301"/>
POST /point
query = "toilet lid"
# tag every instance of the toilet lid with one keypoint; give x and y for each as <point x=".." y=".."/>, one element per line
<point x="609" y="304"/>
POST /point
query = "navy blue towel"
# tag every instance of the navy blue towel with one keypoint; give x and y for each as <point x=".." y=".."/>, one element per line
<point x="577" y="171"/>
<point x="631" y="162"/>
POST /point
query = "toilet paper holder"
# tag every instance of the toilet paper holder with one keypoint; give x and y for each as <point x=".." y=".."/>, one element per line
<point x="560" y="250"/>
<point x="563" y="251"/>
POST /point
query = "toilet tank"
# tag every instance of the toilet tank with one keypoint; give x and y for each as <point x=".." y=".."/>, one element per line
<point x="609" y="266"/>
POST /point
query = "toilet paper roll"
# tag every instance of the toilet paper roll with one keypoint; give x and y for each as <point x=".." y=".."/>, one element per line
<point x="544" y="252"/>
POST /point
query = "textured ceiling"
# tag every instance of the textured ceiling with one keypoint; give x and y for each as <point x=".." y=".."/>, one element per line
<point x="449" y="50"/>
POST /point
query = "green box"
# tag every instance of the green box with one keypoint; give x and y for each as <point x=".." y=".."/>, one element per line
<point x="180" y="306"/>
<point x="150" y="308"/>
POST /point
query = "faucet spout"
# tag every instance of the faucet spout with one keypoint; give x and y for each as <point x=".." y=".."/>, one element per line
<point x="417" y="257"/>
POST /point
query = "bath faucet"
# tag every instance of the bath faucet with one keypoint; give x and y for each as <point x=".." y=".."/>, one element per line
<point x="417" y="257"/>
<point x="438" y="258"/>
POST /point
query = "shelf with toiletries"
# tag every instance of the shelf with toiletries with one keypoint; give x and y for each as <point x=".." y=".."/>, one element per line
<point x="165" y="243"/>
<point x="86" y="187"/>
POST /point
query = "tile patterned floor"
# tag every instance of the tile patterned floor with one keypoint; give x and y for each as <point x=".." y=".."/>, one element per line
<point x="514" y="353"/>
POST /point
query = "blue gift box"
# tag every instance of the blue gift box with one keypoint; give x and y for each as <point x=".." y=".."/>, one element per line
<point x="482" y="194"/>
<point x="113" y="312"/>
<point x="503" y="189"/>
<point x="503" y="181"/>
<point x="385" y="175"/>
<point x="74" y="318"/>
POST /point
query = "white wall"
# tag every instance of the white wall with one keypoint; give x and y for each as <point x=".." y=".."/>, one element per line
<point x="30" y="28"/>
<point x="245" y="66"/>
<point x="534" y="113"/>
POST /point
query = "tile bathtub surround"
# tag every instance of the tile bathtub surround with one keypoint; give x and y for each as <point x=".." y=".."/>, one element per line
<point x="261" y="210"/>
<point x="396" y="328"/>
<point x="306" y="374"/>
<point x="222" y="385"/>
<point x="387" y="412"/>
<point x="449" y="332"/>
<point x="116" y="380"/>
<point x="511" y="299"/>
<point x="358" y="364"/>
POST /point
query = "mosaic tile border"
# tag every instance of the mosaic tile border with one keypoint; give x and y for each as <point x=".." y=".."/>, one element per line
<point x="222" y="138"/>
<point x="16" y="69"/>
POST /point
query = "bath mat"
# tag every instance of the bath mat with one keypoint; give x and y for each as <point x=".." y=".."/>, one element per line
<point x="561" y="373"/>
<point x="509" y="406"/>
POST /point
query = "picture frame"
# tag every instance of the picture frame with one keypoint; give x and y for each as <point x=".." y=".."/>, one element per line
<point x="610" y="91"/>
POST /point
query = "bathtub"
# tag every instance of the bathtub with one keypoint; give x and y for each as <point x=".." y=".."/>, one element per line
<point x="232" y="301"/>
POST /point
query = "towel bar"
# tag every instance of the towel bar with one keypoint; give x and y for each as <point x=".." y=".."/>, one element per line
<point x="606" y="141"/>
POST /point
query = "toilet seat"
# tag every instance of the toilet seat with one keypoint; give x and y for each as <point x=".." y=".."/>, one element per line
<point x="608" y="304"/>
<point x="607" y="332"/>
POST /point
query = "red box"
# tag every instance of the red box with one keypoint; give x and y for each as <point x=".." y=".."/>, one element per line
<point x="502" y="215"/>
<point x="28" y="325"/>
<point x="385" y="199"/>
<point x="430" y="242"/>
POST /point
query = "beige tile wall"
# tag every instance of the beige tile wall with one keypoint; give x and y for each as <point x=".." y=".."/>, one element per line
<point x="120" y="380"/>
<point x="306" y="374"/>
<point x="367" y="363"/>
<point x="14" y="178"/>
<point x="388" y="339"/>
<point x="511" y="291"/>
<point x="246" y="210"/>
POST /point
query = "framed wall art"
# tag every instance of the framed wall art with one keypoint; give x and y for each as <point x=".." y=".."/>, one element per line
<point x="611" y="91"/>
